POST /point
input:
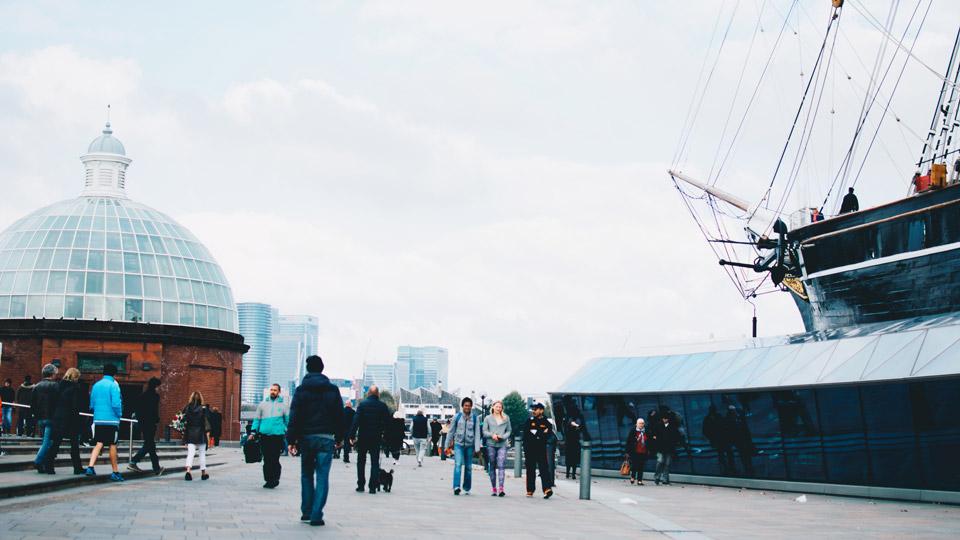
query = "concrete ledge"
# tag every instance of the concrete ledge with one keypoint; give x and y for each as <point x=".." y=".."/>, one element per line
<point x="843" y="490"/>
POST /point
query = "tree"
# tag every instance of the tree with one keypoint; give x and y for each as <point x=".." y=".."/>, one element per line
<point x="387" y="398"/>
<point x="516" y="409"/>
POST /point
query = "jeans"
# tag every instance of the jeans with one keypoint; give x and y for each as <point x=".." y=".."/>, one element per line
<point x="316" y="455"/>
<point x="191" y="450"/>
<point x="498" y="462"/>
<point x="421" y="447"/>
<point x="663" y="467"/>
<point x="46" y="427"/>
<point x="7" y="418"/>
<point x="362" y="451"/>
<point x="537" y="459"/>
<point x="149" y="447"/>
<point x="271" y="446"/>
<point x="463" y="457"/>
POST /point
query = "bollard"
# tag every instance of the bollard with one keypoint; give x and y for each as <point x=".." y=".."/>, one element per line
<point x="585" y="470"/>
<point x="517" y="458"/>
<point x="130" y="450"/>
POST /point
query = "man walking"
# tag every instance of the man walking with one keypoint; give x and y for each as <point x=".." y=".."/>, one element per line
<point x="435" y="430"/>
<point x="43" y="403"/>
<point x="348" y="414"/>
<point x="366" y="435"/>
<point x="7" y="396"/>
<point x="148" y="416"/>
<point x="465" y="439"/>
<point x="419" y="432"/>
<point x="666" y="439"/>
<point x="107" y="407"/>
<point x="270" y="422"/>
<point x="536" y="431"/>
<point x="314" y="430"/>
<point x="216" y="425"/>
<point x="26" y="424"/>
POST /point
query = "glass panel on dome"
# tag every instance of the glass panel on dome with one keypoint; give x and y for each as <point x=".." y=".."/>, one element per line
<point x="115" y="309"/>
<point x="131" y="262"/>
<point x="95" y="260"/>
<point x="125" y="225"/>
<point x="183" y="287"/>
<point x="133" y="284"/>
<point x="75" y="282"/>
<point x="51" y="239"/>
<point x="179" y="268"/>
<point x="4" y="306"/>
<point x="170" y="315"/>
<point x="114" y="261"/>
<point x="201" y="315"/>
<point x="18" y="306"/>
<point x="6" y="282"/>
<point x="157" y="244"/>
<point x="151" y="287"/>
<point x="163" y="264"/>
<point x="186" y="314"/>
<point x="61" y="259"/>
<point x="115" y="284"/>
<point x="129" y="242"/>
<point x="78" y="259"/>
<point x="169" y="288"/>
<point x="43" y="259"/>
<point x="152" y="312"/>
<point x="23" y="240"/>
<point x="58" y="224"/>
<point x="53" y="306"/>
<point x="144" y="244"/>
<point x="39" y="282"/>
<point x="73" y="307"/>
<point x="94" y="282"/>
<point x="21" y="282"/>
<point x="82" y="240"/>
<point x="48" y="222"/>
<point x="37" y="239"/>
<point x="71" y="223"/>
<point x="138" y="226"/>
<point x="93" y="307"/>
<point x="99" y="223"/>
<point x="66" y="239"/>
<point x="148" y="225"/>
<point x="133" y="310"/>
<point x="192" y="268"/>
<point x="34" y="306"/>
<point x="98" y="240"/>
<point x="113" y="241"/>
<point x="57" y="283"/>
<point x="29" y="259"/>
<point x="149" y="263"/>
<point x="213" y="315"/>
<point x="198" y="295"/>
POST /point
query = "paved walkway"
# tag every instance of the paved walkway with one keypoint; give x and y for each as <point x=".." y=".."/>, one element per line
<point x="232" y="504"/>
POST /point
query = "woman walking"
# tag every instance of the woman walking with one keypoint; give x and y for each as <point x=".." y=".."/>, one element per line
<point x="66" y="419"/>
<point x="196" y="431"/>
<point x="638" y="448"/>
<point x="496" y="433"/>
<point x="571" y="447"/>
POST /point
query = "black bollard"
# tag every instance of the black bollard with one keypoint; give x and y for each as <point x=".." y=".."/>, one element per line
<point x="585" y="470"/>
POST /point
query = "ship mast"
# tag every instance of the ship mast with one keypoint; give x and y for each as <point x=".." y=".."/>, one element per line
<point x="941" y="114"/>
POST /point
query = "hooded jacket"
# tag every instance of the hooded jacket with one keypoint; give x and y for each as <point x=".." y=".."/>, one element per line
<point x="271" y="417"/>
<point x="106" y="403"/>
<point x="316" y="409"/>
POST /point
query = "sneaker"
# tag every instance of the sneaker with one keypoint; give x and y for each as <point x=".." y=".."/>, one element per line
<point x="304" y="517"/>
<point x="501" y="494"/>
<point x="160" y="471"/>
<point x="134" y="467"/>
<point x="49" y="470"/>
<point x="359" y="489"/>
<point x="116" y="477"/>
<point x="456" y="491"/>
<point x="205" y="476"/>
<point x="78" y="471"/>
<point x="90" y="471"/>
<point x="466" y="492"/>
<point x="547" y="493"/>
<point x="494" y="494"/>
<point x="188" y="477"/>
<point x="318" y="523"/>
<point x="529" y="494"/>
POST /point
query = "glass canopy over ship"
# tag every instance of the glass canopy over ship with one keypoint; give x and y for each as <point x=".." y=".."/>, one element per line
<point x="102" y="256"/>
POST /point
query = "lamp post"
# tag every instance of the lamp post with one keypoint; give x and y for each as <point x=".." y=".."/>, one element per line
<point x="483" y="408"/>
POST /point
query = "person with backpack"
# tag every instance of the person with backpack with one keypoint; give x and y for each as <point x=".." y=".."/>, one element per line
<point x="196" y="431"/>
<point x="464" y="442"/>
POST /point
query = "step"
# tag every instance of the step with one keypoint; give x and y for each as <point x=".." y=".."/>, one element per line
<point x="20" y="484"/>
<point x="65" y="446"/>
<point x="25" y="463"/>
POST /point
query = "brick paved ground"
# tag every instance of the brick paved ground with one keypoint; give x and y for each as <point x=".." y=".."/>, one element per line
<point x="233" y="505"/>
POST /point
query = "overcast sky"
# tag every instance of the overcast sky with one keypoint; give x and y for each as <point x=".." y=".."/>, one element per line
<point x="487" y="176"/>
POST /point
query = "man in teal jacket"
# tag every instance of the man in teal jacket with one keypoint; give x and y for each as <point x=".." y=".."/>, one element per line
<point x="270" y="423"/>
<point x="107" y="407"/>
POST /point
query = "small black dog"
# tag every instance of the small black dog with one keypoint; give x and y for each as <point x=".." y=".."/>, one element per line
<point x="386" y="480"/>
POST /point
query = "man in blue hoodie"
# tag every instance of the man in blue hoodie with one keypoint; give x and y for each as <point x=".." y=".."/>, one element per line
<point x="107" y="407"/>
<point x="270" y="423"/>
<point x="315" y="430"/>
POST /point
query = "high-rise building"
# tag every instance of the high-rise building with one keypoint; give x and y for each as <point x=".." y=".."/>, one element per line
<point x="427" y="367"/>
<point x="382" y="375"/>
<point x="295" y="337"/>
<point x="256" y="327"/>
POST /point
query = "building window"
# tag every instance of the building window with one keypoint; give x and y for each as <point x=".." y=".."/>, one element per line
<point x="94" y="362"/>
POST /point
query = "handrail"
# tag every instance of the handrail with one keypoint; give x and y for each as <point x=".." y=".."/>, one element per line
<point x="132" y="420"/>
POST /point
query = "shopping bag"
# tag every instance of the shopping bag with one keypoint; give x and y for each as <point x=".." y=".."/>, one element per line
<point x="252" y="452"/>
<point x="625" y="468"/>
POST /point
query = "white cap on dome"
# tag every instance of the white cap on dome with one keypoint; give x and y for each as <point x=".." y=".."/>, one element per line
<point x="106" y="165"/>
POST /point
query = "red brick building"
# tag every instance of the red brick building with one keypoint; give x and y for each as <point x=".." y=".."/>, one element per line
<point x="102" y="279"/>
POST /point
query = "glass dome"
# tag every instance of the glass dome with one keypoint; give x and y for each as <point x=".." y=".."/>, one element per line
<point x="109" y="258"/>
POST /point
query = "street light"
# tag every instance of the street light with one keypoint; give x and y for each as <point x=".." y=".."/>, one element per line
<point x="483" y="408"/>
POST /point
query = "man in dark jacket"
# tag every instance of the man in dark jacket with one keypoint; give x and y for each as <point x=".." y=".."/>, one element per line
<point x="148" y="416"/>
<point x="7" y="396"/>
<point x="715" y="432"/>
<point x="420" y="434"/>
<point x="366" y="435"/>
<point x="43" y="403"/>
<point x="849" y="203"/>
<point x="216" y="424"/>
<point x="435" y="430"/>
<point x="314" y="429"/>
<point x="738" y="433"/>
<point x="536" y="431"/>
<point x="666" y="439"/>
<point x="348" y="413"/>
<point x="26" y="423"/>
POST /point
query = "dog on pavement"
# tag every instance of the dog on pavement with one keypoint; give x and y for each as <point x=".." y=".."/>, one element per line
<point x="386" y="480"/>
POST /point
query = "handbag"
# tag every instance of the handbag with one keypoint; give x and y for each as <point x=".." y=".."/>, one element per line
<point x="625" y="467"/>
<point x="252" y="452"/>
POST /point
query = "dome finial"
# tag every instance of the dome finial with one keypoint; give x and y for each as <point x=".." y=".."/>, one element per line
<point x="106" y="129"/>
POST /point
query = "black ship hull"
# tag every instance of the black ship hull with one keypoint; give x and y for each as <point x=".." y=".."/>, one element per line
<point x="888" y="263"/>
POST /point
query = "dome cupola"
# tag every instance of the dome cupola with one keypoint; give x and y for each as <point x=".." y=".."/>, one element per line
<point x="106" y="165"/>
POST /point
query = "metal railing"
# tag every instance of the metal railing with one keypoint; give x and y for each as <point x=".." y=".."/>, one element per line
<point x="131" y="422"/>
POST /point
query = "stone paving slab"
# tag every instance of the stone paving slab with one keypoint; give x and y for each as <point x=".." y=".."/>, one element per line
<point x="234" y="505"/>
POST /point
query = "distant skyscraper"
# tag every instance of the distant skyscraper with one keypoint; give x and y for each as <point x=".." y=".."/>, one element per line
<point x="256" y="327"/>
<point x="382" y="375"/>
<point x="295" y="338"/>
<point x="426" y="366"/>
